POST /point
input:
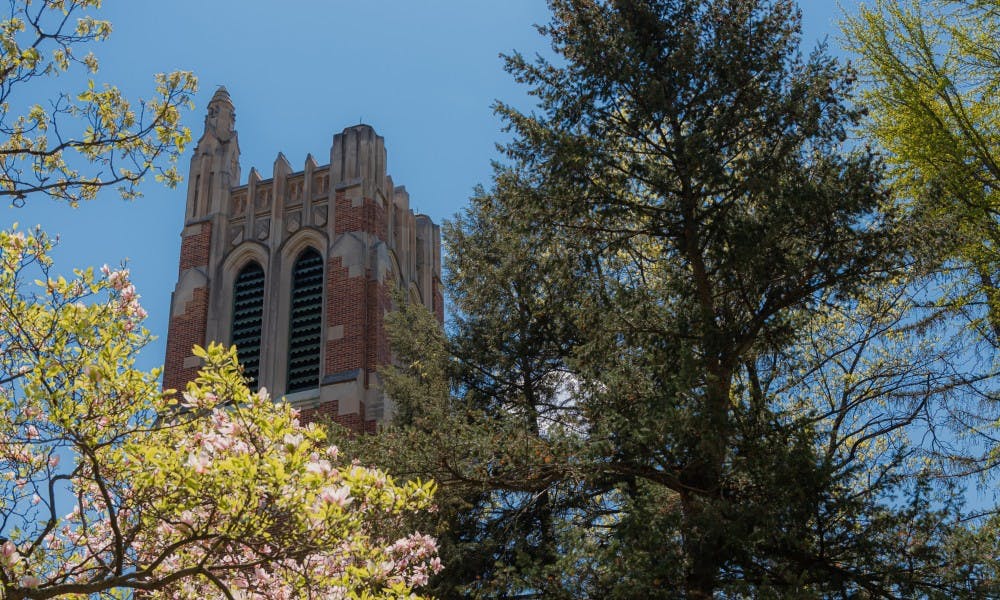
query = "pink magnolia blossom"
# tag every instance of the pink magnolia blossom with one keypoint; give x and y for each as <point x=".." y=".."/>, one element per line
<point x="319" y="467"/>
<point x="339" y="495"/>
<point x="8" y="553"/>
<point x="200" y="462"/>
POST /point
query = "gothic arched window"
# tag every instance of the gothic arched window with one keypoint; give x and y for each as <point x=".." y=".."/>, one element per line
<point x="305" y="322"/>
<point x="248" y="313"/>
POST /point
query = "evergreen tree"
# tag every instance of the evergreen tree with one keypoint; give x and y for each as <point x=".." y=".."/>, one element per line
<point x="700" y="163"/>
<point x="684" y="360"/>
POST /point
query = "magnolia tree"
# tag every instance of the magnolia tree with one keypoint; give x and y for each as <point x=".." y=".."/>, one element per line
<point x="111" y="486"/>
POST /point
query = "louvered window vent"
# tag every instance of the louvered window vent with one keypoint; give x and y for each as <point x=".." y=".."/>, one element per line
<point x="248" y="313"/>
<point x="305" y="322"/>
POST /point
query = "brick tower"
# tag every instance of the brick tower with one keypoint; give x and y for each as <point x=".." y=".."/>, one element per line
<point x="297" y="270"/>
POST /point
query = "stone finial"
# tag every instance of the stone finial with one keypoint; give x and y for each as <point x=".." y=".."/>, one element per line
<point x="221" y="94"/>
<point x="281" y="166"/>
<point x="221" y="118"/>
<point x="311" y="163"/>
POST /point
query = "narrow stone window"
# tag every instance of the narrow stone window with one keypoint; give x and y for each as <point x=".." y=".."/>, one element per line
<point x="305" y="322"/>
<point x="248" y="313"/>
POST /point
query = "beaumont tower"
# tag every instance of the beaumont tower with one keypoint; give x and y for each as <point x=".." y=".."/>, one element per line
<point x="297" y="270"/>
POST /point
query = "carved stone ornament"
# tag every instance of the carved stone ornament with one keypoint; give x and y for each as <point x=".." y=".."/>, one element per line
<point x="262" y="228"/>
<point x="319" y="215"/>
<point x="293" y="221"/>
<point x="236" y="234"/>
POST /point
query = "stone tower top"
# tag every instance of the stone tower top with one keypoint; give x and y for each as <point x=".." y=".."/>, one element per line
<point x="221" y="118"/>
<point x="298" y="269"/>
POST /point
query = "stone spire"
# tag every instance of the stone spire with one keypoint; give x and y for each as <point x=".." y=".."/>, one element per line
<point x="221" y="118"/>
<point x="215" y="163"/>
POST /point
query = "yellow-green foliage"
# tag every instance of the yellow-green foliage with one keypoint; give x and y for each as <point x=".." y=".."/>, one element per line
<point x="933" y="75"/>
<point x="72" y="145"/>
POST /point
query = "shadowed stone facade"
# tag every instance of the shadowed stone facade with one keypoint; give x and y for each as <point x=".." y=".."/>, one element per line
<point x="351" y="214"/>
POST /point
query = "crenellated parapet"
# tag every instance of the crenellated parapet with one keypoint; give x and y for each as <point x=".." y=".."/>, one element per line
<point x="347" y="216"/>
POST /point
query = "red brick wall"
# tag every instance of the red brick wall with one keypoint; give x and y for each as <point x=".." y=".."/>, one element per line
<point x="188" y="328"/>
<point x="345" y="306"/>
<point x="358" y="304"/>
<point x="369" y="216"/>
<point x="185" y="331"/>
<point x="195" y="248"/>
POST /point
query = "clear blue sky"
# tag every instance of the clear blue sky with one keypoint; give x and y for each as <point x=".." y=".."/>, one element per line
<point x="423" y="73"/>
